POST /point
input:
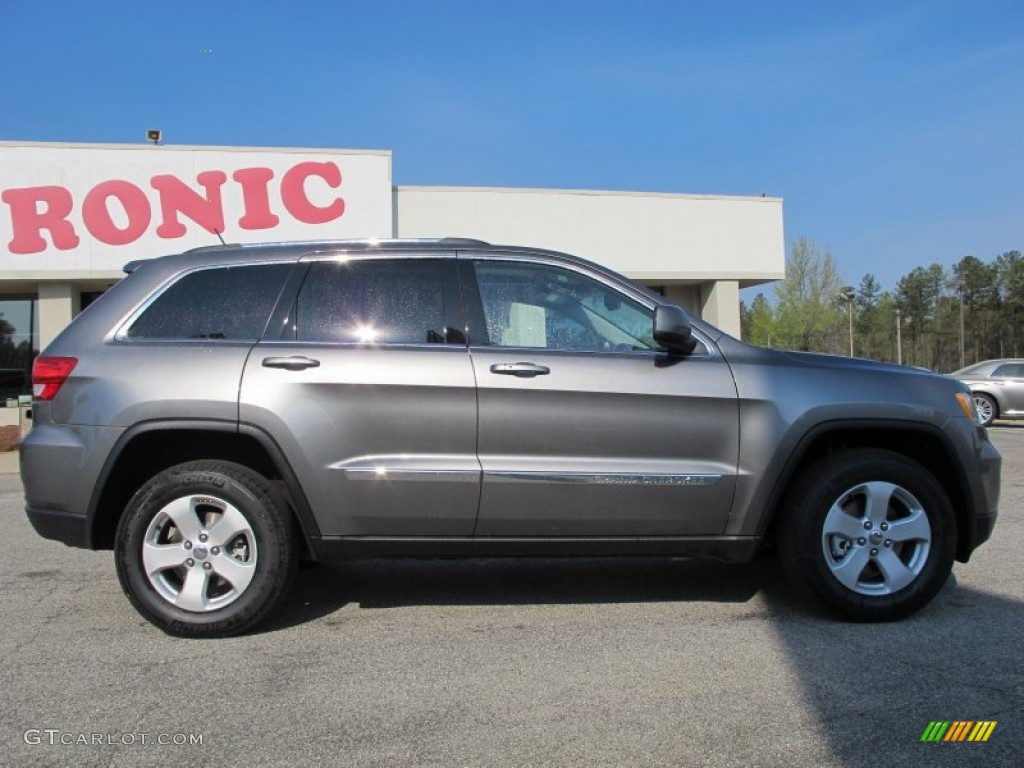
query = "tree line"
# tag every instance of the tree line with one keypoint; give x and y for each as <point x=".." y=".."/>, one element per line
<point x="918" y="323"/>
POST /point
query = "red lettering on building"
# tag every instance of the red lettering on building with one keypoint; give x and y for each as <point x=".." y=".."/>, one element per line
<point x="256" y="198"/>
<point x="28" y="221"/>
<point x="99" y="222"/>
<point x="293" y="192"/>
<point x="177" y="197"/>
<point x="50" y="208"/>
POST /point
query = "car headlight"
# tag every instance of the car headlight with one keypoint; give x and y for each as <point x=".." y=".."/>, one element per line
<point x="967" y="403"/>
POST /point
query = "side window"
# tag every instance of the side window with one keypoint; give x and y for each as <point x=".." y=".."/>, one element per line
<point x="539" y="305"/>
<point x="1009" y="371"/>
<point x="393" y="301"/>
<point x="231" y="303"/>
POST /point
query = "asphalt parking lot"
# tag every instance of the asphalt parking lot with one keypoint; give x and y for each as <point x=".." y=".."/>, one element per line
<point x="520" y="663"/>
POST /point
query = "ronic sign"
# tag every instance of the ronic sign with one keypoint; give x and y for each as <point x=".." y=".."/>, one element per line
<point x="34" y="210"/>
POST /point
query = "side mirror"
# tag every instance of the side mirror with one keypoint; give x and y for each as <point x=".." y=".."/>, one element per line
<point x="672" y="330"/>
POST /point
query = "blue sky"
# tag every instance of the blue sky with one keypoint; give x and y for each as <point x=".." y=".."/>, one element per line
<point x="893" y="130"/>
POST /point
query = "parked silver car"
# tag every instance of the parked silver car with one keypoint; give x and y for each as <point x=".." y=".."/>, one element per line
<point x="220" y="414"/>
<point x="997" y="387"/>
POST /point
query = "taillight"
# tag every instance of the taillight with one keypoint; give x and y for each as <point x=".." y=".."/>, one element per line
<point x="49" y="375"/>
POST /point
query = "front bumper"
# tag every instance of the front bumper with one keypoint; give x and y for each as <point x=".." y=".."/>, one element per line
<point x="977" y="528"/>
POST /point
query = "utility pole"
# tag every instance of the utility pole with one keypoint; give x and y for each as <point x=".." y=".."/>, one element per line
<point x="899" y="339"/>
<point x="960" y="289"/>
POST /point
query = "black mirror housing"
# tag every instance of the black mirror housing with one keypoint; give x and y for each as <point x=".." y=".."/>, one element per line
<point x="672" y="330"/>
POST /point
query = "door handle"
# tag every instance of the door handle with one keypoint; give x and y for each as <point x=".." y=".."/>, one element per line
<point x="291" y="363"/>
<point x="523" y="370"/>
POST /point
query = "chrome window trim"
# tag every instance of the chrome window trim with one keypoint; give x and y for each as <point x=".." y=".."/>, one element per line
<point x="293" y="343"/>
<point x="652" y="353"/>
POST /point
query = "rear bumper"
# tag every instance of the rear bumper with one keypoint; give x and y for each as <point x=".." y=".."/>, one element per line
<point x="60" y="465"/>
<point x="65" y="527"/>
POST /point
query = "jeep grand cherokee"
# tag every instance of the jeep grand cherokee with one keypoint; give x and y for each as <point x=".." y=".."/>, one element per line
<point x="221" y="414"/>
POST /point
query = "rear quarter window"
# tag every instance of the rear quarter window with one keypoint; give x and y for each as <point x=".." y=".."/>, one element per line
<point x="231" y="303"/>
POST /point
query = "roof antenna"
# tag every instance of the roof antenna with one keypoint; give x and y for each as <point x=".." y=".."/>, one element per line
<point x="219" y="237"/>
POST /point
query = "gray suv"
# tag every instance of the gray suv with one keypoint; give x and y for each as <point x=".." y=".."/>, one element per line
<point x="222" y="414"/>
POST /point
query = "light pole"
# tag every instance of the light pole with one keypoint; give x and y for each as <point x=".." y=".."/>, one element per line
<point x="899" y="339"/>
<point x="847" y="294"/>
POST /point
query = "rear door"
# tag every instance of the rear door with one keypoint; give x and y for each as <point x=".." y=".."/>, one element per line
<point x="1009" y="377"/>
<point x="586" y="427"/>
<point x="370" y="392"/>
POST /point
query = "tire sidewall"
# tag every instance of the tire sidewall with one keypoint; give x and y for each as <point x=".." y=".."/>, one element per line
<point x="258" y="509"/>
<point x="825" y="485"/>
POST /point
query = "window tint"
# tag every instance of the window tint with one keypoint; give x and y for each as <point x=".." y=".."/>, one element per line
<point x="1010" y="371"/>
<point x="537" y="305"/>
<point x="220" y="303"/>
<point x="396" y="301"/>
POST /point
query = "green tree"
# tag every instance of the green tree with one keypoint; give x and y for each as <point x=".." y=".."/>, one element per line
<point x="869" y="339"/>
<point x="807" y="313"/>
<point x="976" y="284"/>
<point x="917" y="296"/>
<point x="1009" y="269"/>
<point x="759" y="322"/>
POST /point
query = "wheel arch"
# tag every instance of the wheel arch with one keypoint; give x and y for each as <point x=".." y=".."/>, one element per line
<point x="925" y="444"/>
<point x="150" y="447"/>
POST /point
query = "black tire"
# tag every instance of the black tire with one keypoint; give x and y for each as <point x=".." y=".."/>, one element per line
<point x="987" y="407"/>
<point x="912" y="534"/>
<point x="231" y="577"/>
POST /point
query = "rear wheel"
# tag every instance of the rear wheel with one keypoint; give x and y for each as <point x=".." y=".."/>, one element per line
<point x="206" y="549"/>
<point x="870" y="532"/>
<point x="987" y="407"/>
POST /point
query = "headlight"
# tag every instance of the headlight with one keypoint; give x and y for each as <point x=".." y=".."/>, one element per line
<point x="967" y="403"/>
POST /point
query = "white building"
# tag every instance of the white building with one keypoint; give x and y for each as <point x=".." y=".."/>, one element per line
<point x="71" y="215"/>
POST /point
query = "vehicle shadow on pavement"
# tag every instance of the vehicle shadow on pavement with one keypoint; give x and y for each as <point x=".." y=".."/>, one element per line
<point x="876" y="687"/>
<point x="322" y="589"/>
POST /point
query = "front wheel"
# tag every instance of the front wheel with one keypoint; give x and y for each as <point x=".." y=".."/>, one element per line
<point x="205" y="549"/>
<point x="870" y="532"/>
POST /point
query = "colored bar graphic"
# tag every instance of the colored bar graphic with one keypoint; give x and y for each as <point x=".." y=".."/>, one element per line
<point x="958" y="730"/>
<point x="935" y="730"/>
<point x="982" y="730"/>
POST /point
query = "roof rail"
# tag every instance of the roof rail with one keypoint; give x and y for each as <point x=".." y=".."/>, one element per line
<point x="131" y="266"/>
<point x="360" y="241"/>
<point x="462" y="241"/>
<point x="218" y="247"/>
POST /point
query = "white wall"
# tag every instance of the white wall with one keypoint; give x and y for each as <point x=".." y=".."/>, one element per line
<point x="659" y="239"/>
